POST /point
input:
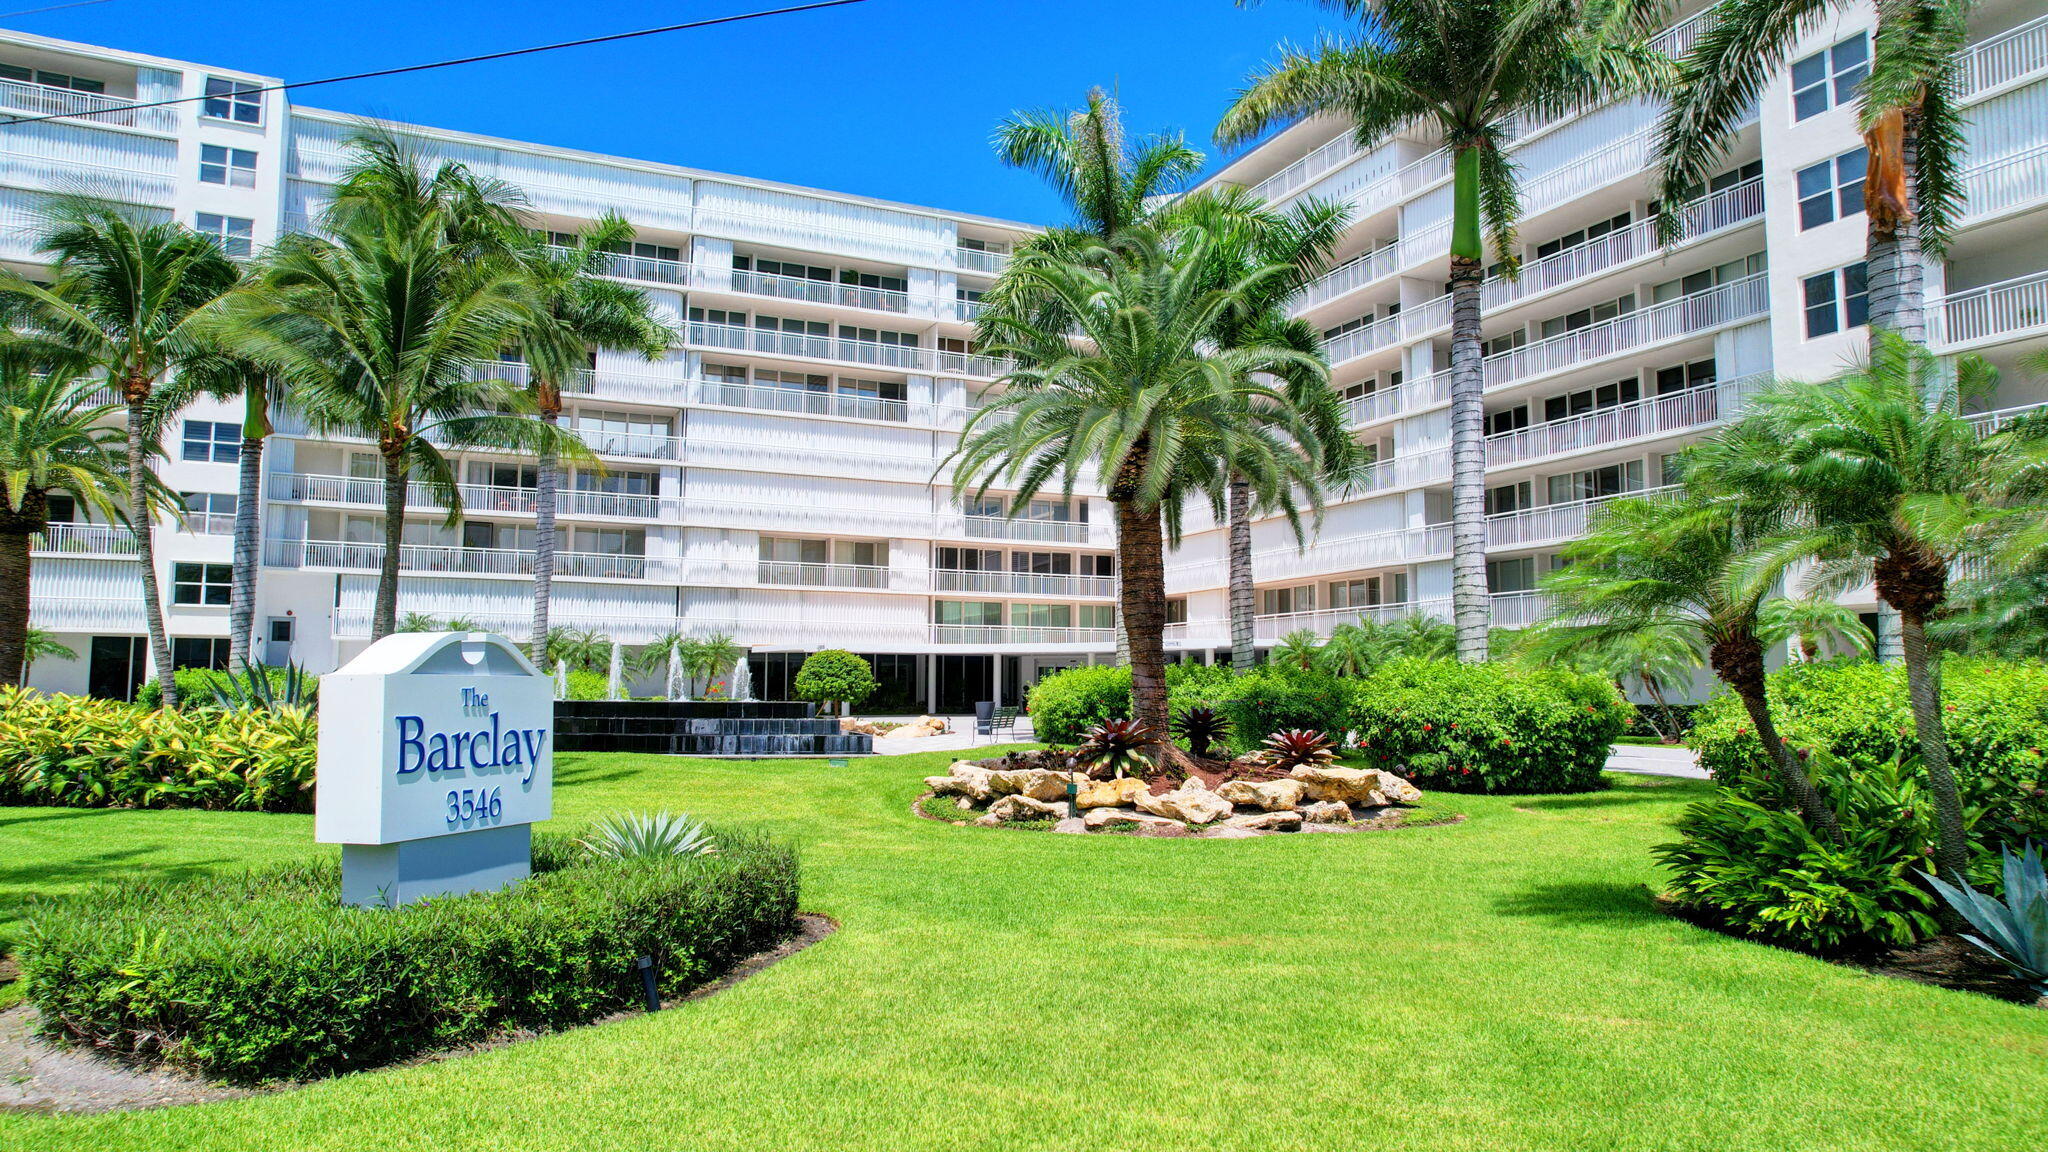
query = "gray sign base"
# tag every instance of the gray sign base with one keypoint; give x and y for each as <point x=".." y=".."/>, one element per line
<point x="388" y="875"/>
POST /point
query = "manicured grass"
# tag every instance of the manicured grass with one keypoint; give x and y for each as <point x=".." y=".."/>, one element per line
<point x="1499" y="983"/>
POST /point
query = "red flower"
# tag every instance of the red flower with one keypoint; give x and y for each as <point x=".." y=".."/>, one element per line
<point x="1429" y="727"/>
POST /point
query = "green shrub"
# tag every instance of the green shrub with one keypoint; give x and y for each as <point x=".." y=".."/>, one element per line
<point x="196" y="686"/>
<point x="1489" y="727"/>
<point x="1066" y="704"/>
<point x="266" y="976"/>
<point x="835" y="676"/>
<point x="587" y="685"/>
<point x="1275" y="698"/>
<point x="77" y="752"/>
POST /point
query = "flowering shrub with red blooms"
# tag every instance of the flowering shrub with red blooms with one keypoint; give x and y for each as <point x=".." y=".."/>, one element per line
<point x="1488" y="727"/>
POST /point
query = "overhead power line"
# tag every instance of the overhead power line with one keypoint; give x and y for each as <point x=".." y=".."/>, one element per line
<point x="51" y="8"/>
<point x="734" y="19"/>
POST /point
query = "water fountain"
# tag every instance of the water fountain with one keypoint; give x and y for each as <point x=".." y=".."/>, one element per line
<point x="742" y="682"/>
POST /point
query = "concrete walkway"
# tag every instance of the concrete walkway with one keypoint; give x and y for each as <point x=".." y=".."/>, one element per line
<point x="1655" y="760"/>
<point x="961" y="738"/>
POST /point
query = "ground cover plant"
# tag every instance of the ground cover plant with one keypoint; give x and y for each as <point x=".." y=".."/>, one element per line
<point x="1505" y="980"/>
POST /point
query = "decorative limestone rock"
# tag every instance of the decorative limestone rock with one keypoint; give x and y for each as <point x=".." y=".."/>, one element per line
<point x="922" y="726"/>
<point x="1100" y="817"/>
<point x="1072" y="825"/>
<point x="1326" y="812"/>
<point x="1024" y="808"/>
<point x="1226" y="832"/>
<point x="1269" y="795"/>
<point x="968" y="779"/>
<point x="1368" y="786"/>
<point x="1037" y="783"/>
<point x="1191" y="802"/>
<point x="1265" y="821"/>
<point x="1110" y="793"/>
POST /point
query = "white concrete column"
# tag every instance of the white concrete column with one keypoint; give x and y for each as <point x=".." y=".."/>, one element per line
<point x="995" y="678"/>
<point x="931" y="683"/>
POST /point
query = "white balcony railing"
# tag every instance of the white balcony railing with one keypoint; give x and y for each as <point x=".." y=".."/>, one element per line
<point x="1302" y="172"/>
<point x="85" y="540"/>
<point x="1994" y="312"/>
<point x="640" y="628"/>
<point x="820" y="292"/>
<point x="1323" y="555"/>
<point x="449" y="559"/>
<point x="1006" y="528"/>
<point x="646" y="269"/>
<point x="1728" y="207"/>
<point x="2004" y="58"/>
<point x="775" y="342"/>
<point x="94" y="107"/>
<point x="799" y="574"/>
<point x="2008" y="182"/>
<point x="1020" y="634"/>
<point x="772" y="398"/>
<point x="476" y="498"/>
<point x="1554" y="523"/>
<point x="1624" y="422"/>
<point x="85" y="614"/>
<point x="1022" y="583"/>
<point x="979" y="260"/>
<point x="1700" y="312"/>
<point x="1350" y="276"/>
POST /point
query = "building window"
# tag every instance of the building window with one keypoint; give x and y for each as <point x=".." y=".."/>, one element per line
<point x="1829" y="78"/>
<point x="1506" y="342"/>
<point x="1591" y="399"/>
<point x="1286" y="601"/>
<point x="234" y="167"/>
<point x="1098" y="616"/>
<point x="1176" y="611"/>
<point x="1836" y="301"/>
<point x="1680" y="377"/>
<point x="1507" y="420"/>
<point x="201" y="584"/>
<point x="235" y="234"/>
<point x="1597" y="314"/>
<point x="210" y="513"/>
<point x="1573" y="239"/>
<point x="49" y="79"/>
<point x="971" y="613"/>
<point x="238" y="100"/>
<point x="1832" y="189"/>
<point x="1509" y="498"/>
<point x="199" y="652"/>
<point x="1596" y="483"/>
<point x="1516" y="575"/>
<point x="213" y="441"/>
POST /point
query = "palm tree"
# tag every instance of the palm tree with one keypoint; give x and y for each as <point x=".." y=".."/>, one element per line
<point x="1248" y="236"/>
<point x="1299" y="651"/>
<point x="1888" y="482"/>
<point x="1907" y="112"/>
<point x="1657" y="657"/>
<point x="1353" y="649"/>
<point x="40" y="645"/>
<point x="1654" y="565"/>
<point x="1810" y="620"/>
<point x="579" y="310"/>
<point x="583" y="649"/>
<point x="379" y="331"/>
<point x="1117" y="372"/>
<point x="126" y="290"/>
<point x="1469" y="68"/>
<point x="55" y="438"/>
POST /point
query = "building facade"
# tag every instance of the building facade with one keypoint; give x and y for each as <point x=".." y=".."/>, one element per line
<point x="1610" y="353"/>
<point x="777" y="475"/>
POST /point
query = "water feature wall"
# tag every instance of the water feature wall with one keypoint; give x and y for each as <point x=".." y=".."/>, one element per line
<point x="702" y="728"/>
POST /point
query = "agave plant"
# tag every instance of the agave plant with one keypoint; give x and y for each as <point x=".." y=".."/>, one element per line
<point x="1115" y="747"/>
<point x="645" y="836"/>
<point x="252" y="689"/>
<point x="1202" y="728"/>
<point x="1296" y="748"/>
<point x="2015" y="930"/>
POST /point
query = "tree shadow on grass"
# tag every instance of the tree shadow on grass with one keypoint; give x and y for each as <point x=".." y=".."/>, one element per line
<point x="96" y="867"/>
<point x="1609" y="798"/>
<point x="1585" y="902"/>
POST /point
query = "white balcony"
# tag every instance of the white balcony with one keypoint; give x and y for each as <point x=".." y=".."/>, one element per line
<point x="1556" y="523"/>
<point x="452" y="559"/>
<point x="978" y="260"/>
<point x="1322" y="556"/>
<point x="1005" y="528"/>
<point x="84" y="540"/>
<point x="820" y="292"/>
<point x="1510" y="610"/>
<point x="822" y="458"/>
<point x="354" y="623"/>
<point x="1995" y="313"/>
<point x="85" y="614"/>
<point x="89" y="107"/>
<point x="645" y="269"/>
<point x="1700" y="312"/>
<point x="1656" y="416"/>
<point x="981" y="635"/>
<point x="2006" y="183"/>
<point x="798" y="574"/>
<point x="1304" y="171"/>
<point x="1407" y="471"/>
<point x="368" y="492"/>
<point x="1709" y="214"/>
<point x="1023" y="583"/>
<point x="2000" y="60"/>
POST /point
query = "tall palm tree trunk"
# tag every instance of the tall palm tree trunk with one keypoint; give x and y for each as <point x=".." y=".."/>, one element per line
<point x="396" y="474"/>
<point x="544" y="533"/>
<point x="1739" y="662"/>
<point x="1470" y="606"/>
<point x="248" y="524"/>
<point x="1916" y="586"/>
<point x="136" y="392"/>
<point x="1243" y="653"/>
<point x="17" y="534"/>
<point x="1895" y="269"/>
<point x="1140" y="554"/>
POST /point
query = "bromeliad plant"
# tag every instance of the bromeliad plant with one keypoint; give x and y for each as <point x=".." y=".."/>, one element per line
<point x="1202" y="727"/>
<point x="2013" y="930"/>
<point x="644" y="835"/>
<point x="1116" y="748"/>
<point x="1297" y="748"/>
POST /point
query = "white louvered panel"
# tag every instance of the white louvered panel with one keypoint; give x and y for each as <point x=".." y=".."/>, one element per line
<point x="1425" y="212"/>
<point x="710" y="486"/>
<point x="85" y="595"/>
<point x="1564" y="145"/>
<point x="803" y="222"/>
<point x="61" y="157"/>
<point x="2008" y="125"/>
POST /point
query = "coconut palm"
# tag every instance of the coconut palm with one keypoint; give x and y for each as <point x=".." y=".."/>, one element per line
<point x="1817" y="623"/>
<point x="378" y="332"/>
<point x="1468" y="69"/>
<point x="1247" y="236"/>
<point x="126" y="289"/>
<point x="1907" y="112"/>
<point x="1118" y="373"/>
<point x="579" y="310"/>
<point x="1679" y="565"/>
<point x="1887" y="482"/>
<point x="56" y="438"/>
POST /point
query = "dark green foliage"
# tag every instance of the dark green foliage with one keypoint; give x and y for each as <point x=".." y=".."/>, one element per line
<point x="1488" y="727"/>
<point x="835" y="676"/>
<point x="204" y="687"/>
<point x="1201" y="728"/>
<point x="266" y="976"/>
<point x="1065" y="705"/>
<point x="1275" y="699"/>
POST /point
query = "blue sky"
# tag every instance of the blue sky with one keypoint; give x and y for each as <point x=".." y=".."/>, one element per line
<point x="891" y="98"/>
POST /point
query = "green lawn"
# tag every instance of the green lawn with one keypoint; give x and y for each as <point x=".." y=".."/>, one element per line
<point x="1501" y="983"/>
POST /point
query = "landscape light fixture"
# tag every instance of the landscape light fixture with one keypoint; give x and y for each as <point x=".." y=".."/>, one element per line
<point x="646" y="966"/>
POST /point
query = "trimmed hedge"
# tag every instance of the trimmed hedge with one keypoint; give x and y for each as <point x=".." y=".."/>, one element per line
<point x="265" y="976"/>
<point x="1068" y="703"/>
<point x="1489" y="727"/>
<point x="835" y="676"/>
<point x="1269" y="699"/>
<point x="78" y="752"/>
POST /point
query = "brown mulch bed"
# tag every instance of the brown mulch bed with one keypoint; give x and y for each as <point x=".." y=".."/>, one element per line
<point x="39" y="1076"/>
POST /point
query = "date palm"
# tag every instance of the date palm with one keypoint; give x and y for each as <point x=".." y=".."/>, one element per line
<point x="1680" y="566"/>
<point x="377" y="327"/>
<point x="1657" y="657"/>
<point x="41" y="645"/>
<point x="1467" y="69"/>
<point x="1884" y="481"/>
<point x="1906" y="110"/>
<point x="1812" y="620"/>
<point x="125" y="293"/>
<point x="1118" y="373"/>
<point x="578" y="310"/>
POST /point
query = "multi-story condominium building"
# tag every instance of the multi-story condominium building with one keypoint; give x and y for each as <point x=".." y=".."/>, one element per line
<point x="773" y="477"/>
<point x="776" y="476"/>
<point x="1610" y="353"/>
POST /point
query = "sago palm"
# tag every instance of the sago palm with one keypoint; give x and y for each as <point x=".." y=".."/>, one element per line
<point x="1884" y="480"/>
<point x="1906" y="109"/>
<point x="578" y="310"/>
<point x="126" y="289"/>
<point x="1118" y="374"/>
<point x="1466" y="69"/>
<point x="1653" y="565"/>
